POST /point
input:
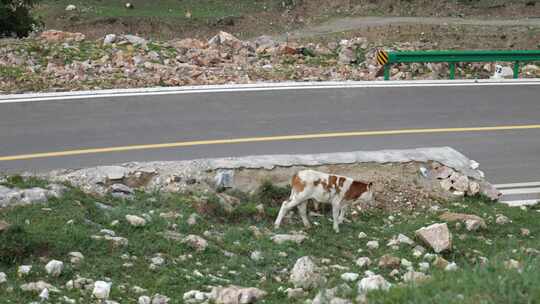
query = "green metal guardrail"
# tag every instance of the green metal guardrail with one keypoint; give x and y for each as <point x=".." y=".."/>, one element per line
<point x="451" y="57"/>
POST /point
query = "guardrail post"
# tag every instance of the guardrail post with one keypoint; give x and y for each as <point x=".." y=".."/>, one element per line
<point x="452" y="70"/>
<point x="386" y="72"/>
<point x="516" y="69"/>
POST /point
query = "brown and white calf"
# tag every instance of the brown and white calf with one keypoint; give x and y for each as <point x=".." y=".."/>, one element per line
<point x="340" y="191"/>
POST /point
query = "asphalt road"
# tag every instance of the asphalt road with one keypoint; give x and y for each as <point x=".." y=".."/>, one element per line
<point x="58" y="125"/>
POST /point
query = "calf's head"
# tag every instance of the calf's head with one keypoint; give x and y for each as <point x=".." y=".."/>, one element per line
<point x="360" y="192"/>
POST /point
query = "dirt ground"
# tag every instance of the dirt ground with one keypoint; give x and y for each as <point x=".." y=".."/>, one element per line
<point x="294" y="15"/>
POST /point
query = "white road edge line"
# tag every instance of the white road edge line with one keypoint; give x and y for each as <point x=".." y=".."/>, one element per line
<point x="517" y="185"/>
<point x="520" y="191"/>
<point x="518" y="203"/>
<point x="32" y="97"/>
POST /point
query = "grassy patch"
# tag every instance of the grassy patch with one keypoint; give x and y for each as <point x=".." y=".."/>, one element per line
<point x="67" y="225"/>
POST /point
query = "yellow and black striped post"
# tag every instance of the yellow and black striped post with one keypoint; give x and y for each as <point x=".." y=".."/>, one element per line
<point x="382" y="59"/>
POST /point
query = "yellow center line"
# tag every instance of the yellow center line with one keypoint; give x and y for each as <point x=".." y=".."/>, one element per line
<point x="262" y="139"/>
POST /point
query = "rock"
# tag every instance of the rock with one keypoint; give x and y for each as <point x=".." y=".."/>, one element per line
<point x="101" y="290"/>
<point x="362" y="235"/>
<point x="236" y="295"/>
<point x="54" y="268"/>
<point x="71" y="7"/>
<point x="257" y="256"/>
<point x="135" y="40"/>
<point x="160" y="299"/>
<point x="110" y="39"/>
<point x="414" y="276"/>
<point x="443" y="172"/>
<point x="75" y="257"/>
<point x="224" y="179"/>
<point x="474" y="188"/>
<point x="196" y="242"/>
<point x="524" y="231"/>
<point x="451" y="267"/>
<point x="423" y="266"/>
<point x="225" y="39"/>
<point x="3" y="278"/>
<point x="440" y="263"/>
<point x="502" y="220"/>
<point x="121" y="191"/>
<point x="129" y="5"/>
<point x="196" y="296"/>
<point x="388" y="261"/>
<point x="265" y="42"/>
<point x="189" y="43"/>
<point x="372" y="245"/>
<point x="471" y="221"/>
<point x="283" y="238"/>
<point x="306" y="274"/>
<point x="373" y="282"/>
<point x="33" y="195"/>
<point x="24" y="270"/>
<point x="135" y="221"/>
<point x="346" y="55"/>
<point x="512" y="264"/>
<point x="437" y="236"/>
<point x="295" y="293"/>
<point x="44" y="295"/>
<point x="144" y="300"/>
<point x="418" y="251"/>
<point x="400" y="239"/>
<point x="3" y="226"/>
<point x="363" y="262"/>
<point x="350" y="276"/>
<point x="37" y="286"/>
<point x="59" y="36"/>
<point x="490" y="191"/>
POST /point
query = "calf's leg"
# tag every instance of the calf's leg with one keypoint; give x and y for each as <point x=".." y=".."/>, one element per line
<point x="302" y="209"/>
<point x="336" y="206"/>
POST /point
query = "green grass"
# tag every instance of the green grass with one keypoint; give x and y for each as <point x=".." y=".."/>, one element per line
<point x="38" y="232"/>
<point x="172" y="9"/>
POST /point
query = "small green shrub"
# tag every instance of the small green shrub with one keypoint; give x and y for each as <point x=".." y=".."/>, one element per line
<point x="271" y="195"/>
<point x="16" y="245"/>
<point x="15" y="17"/>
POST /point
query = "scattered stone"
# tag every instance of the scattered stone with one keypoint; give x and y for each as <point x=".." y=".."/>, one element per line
<point x="135" y="221"/>
<point x="306" y="274"/>
<point x="24" y="270"/>
<point x="440" y="263"/>
<point x="58" y="36"/>
<point x="525" y="232"/>
<point x="472" y="222"/>
<point x="160" y="299"/>
<point x="196" y="242"/>
<point x="418" y="251"/>
<point x="37" y="286"/>
<point x="44" y="295"/>
<point x="145" y="300"/>
<point x="257" y="256"/>
<point x="71" y="7"/>
<point x="350" y="276"/>
<point x="437" y="236"/>
<point x="451" y="267"/>
<point x="372" y="245"/>
<point x="362" y="235"/>
<point x="373" y="282"/>
<point x="75" y="257"/>
<point x="121" y="191"/>
<point x="295" y="293"/>
<point x="236" y="295"/>
<point x="502" y="219"/>
<point x="283" y="238"/>
<point x="192" y="219"/>
<point x="109" y="39"/>
<point x="389" y="261"/>
<point x="3" y="277"/>
<point x="196" y="296"/>
<point x="415" y="277"/>
<point x="101" y="290"/>
<point x="54" y="268"/>
<point x="512" y="264"/>
<point x="423" y="266"/>
<point x="363" y="262"/>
